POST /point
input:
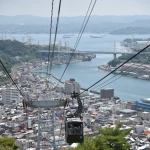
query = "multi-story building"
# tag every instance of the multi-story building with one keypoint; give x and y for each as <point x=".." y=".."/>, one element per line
<point x="58" y="88"/>
<point x="10" y="95"/>
<point x="143" y="104"/>
<point x="71" y="86"/>
<point x="107" y="93"/>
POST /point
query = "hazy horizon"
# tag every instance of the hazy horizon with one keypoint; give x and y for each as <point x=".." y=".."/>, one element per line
<point x="71" y="8"/>
<point x="75" y="16"/>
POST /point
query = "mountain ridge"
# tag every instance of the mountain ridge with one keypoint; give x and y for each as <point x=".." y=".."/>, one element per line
<point x="96" y="24"/>
<point x="28" y="19"/>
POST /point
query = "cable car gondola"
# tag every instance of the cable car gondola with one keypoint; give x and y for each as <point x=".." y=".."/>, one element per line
<point x="74" y="131"/>
<point x="74" y="124"/>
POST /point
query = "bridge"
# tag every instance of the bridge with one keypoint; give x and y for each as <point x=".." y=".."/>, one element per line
<point x="58" y="52"/>
<point x="92" y="52"/>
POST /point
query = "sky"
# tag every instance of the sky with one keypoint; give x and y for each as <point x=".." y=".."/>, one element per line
<point x="74" y="7"/>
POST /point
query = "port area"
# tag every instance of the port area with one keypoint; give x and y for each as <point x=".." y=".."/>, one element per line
<point x="136" y="70"/>
<point x="43" y="63"/>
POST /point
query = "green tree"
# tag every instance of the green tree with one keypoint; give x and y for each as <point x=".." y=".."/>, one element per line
<point x="7" y="143"/>
<point x="109" y="139"/>
<point x="88" y="144"/>
<point x="113" y="138"/>
<point x="114" y="62"/>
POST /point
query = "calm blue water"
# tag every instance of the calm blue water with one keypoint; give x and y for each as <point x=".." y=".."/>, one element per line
<point x="87" y="73"/>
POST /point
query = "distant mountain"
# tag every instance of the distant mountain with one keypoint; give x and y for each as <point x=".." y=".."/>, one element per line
<point x="130" y="30"/>
<point x="96" y="24"/>
<point x="140" y="23"/>
<point x="35" y="20"/>
<point x="23" y="20"/>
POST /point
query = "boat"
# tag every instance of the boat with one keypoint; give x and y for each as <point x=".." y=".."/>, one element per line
<point x="94" y="56"/>
<point x="96" y="36"/>
<point x="87" y="58"/>
<point x="66" y="37"/>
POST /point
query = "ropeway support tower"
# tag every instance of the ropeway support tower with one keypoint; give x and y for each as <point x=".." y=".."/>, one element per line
<point x="46" y="122"/>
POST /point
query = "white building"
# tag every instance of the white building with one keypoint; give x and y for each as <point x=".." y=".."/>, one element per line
<point x="10" y="95"/>
<point x="24" y="144"/>
<point x="58" y="88"/>
<point x="71" y="86"/>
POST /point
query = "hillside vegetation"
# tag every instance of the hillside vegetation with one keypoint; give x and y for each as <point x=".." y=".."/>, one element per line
<point x="108" y="139"/>
<point x="144" y="59"/>
<point x="11" y="50"/>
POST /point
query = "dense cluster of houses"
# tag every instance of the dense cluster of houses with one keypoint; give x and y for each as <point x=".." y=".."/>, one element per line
<point x="104" y="110"/>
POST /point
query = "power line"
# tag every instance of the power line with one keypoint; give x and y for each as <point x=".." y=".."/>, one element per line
<point x="9" y="76"/>
<point x="55" y="36"/>
<point x="116" y="68"/>
<point x="79" y="36"/>
<point x="4" y="81"/>
<point x="119" y="76"/>
<point x="13" y="82"/>
<point x="83" y="24"/>
<point x="78" y="39"/>
<point x="7" y="73"/>
<point x="50" y="40"/>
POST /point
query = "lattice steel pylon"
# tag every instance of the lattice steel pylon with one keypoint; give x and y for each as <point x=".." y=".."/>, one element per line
<point x="46" y="120"/>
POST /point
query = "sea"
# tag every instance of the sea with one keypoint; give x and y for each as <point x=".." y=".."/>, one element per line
<point x="86" y="73"/>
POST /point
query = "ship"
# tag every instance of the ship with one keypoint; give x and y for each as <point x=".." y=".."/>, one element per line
<point x="96" y="36"/>
<point x="66" y="37"/>
<point x="87" y="58"/>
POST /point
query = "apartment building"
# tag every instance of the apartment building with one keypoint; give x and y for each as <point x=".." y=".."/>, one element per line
<point x="71" y="86"/>
<point x="10" y="95"/>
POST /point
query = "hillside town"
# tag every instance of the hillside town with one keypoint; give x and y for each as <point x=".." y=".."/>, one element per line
<point x="99" y="110"/>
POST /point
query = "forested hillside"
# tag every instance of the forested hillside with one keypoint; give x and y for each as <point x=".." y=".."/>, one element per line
<point x="10" y="51"/>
